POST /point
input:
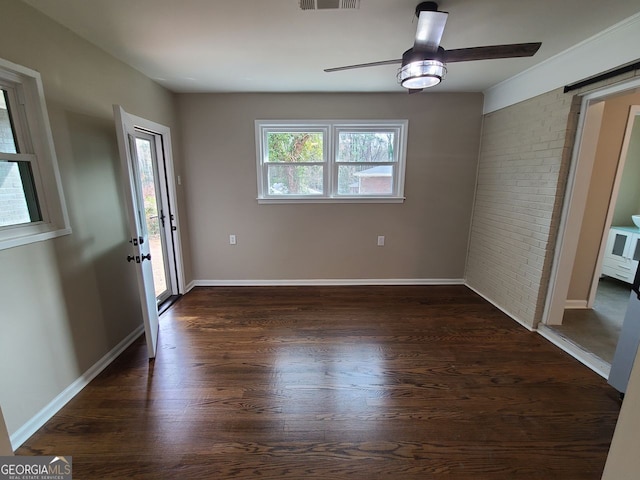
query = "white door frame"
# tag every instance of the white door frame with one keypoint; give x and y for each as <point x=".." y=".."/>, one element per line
<point x="575" y="201"/>
<point x="126" y="127"/>
<point x="165" y="146"/>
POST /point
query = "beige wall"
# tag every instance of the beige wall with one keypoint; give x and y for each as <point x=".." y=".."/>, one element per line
<point x="426" y="237"/>
<point x="628" y="199"/>
<point x="614" y="122"/>
<point x="522" y="172"/>
<point x="67" y="302"/>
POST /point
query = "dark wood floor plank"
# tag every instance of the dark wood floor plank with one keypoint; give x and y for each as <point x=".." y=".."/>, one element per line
<point x="329" y="382"/>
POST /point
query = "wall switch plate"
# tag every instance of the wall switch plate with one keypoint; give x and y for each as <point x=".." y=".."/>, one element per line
<point x="381" y="240"/>
<point x="232" y="240"/>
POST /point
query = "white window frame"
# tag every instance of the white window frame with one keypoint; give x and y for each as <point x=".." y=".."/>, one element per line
<point x="331" y="130"/>
<point x="31" y="122"/>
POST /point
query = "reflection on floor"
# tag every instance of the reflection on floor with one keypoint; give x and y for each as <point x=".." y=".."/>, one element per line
<point x="597" y="330"/>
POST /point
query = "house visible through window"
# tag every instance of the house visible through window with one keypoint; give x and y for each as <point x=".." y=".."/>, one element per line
<point x="31" y="203"/>
<point x="342" y="161"/>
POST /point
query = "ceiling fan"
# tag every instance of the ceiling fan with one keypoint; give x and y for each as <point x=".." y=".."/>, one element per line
<point x="424" y="65"/>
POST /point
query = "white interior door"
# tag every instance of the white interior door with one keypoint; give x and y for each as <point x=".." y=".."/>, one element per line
<point x="140" y="257"/>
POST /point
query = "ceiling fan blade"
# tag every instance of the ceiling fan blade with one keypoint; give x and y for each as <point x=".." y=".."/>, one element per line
<point x="491" y="52"/>
<point x="363" y="65"/>
<point x="430" y="30"/>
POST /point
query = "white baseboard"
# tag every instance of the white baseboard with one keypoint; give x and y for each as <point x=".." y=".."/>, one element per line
<point x="25" y="431"/>
<point x="592" y="361"/>
<point x="189" y="286"/>
<point x="509" y="314"/>
<point x="585" y="357"/>
<point x="326" y="282"/>
<point x="575" y="304"/>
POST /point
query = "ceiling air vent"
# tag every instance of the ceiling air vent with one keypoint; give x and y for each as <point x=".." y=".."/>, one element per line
<point x="329" y="4"/>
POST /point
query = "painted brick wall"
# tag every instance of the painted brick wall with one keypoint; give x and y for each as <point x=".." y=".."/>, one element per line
<point x="522" y="171"/>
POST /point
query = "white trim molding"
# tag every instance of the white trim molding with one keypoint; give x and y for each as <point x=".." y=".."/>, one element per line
<point x="609" y="49"/>
<point x="38" y="144"/>
<point x="575" y="304"/>
<point x="325" y="282"/>
<point x="507" y="313"/>
<point x="588" y="359"/>
<point x="39" y="419"/>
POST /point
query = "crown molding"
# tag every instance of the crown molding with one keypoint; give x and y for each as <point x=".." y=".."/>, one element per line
<point x="609" y="49"/>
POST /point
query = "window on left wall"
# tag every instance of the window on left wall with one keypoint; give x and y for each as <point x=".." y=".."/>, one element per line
<point x="32" y="206"/>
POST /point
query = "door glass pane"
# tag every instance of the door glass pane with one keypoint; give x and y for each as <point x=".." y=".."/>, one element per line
<point x="152" y="213"/>
<point x="7" y="134"/>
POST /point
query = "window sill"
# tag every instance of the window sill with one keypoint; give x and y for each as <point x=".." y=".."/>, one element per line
<point x="267" y="201"/>
<point x="32" y="237"/>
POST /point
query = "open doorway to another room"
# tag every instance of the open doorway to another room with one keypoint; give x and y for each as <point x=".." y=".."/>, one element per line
<point x="597" y="329"/>
<point x="158" y="213"/>
<point x="606" y="254"/>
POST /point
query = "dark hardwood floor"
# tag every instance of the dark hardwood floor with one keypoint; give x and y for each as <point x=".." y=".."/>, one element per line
<point x="332" y="382"/>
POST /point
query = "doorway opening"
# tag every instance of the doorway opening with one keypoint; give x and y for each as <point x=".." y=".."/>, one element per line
<point x="158" y="214"/>
<point x="594" y="265"/>
<point x="149" y="190"/>
<point x="597" y="329"/>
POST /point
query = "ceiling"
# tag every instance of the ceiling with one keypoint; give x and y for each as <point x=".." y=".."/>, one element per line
<point x="274" y="46"/>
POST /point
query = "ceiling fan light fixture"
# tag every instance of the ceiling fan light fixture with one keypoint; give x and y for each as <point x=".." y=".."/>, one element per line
<point x="423" y="65"/>
<point x="421" y="74"/>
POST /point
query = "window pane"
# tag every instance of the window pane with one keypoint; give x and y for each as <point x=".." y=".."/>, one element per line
<point x="366" y="147"/>
<point x="365" y="180"/>
<point x="17" y="194"/>
<point x="295" y="180"/>
<point x="294" y="147"/>
<point x="7" y="137"/>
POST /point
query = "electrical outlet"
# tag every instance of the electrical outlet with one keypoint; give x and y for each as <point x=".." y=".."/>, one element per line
<point x="381" y="240"/>
<point x="232" y="240"/>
